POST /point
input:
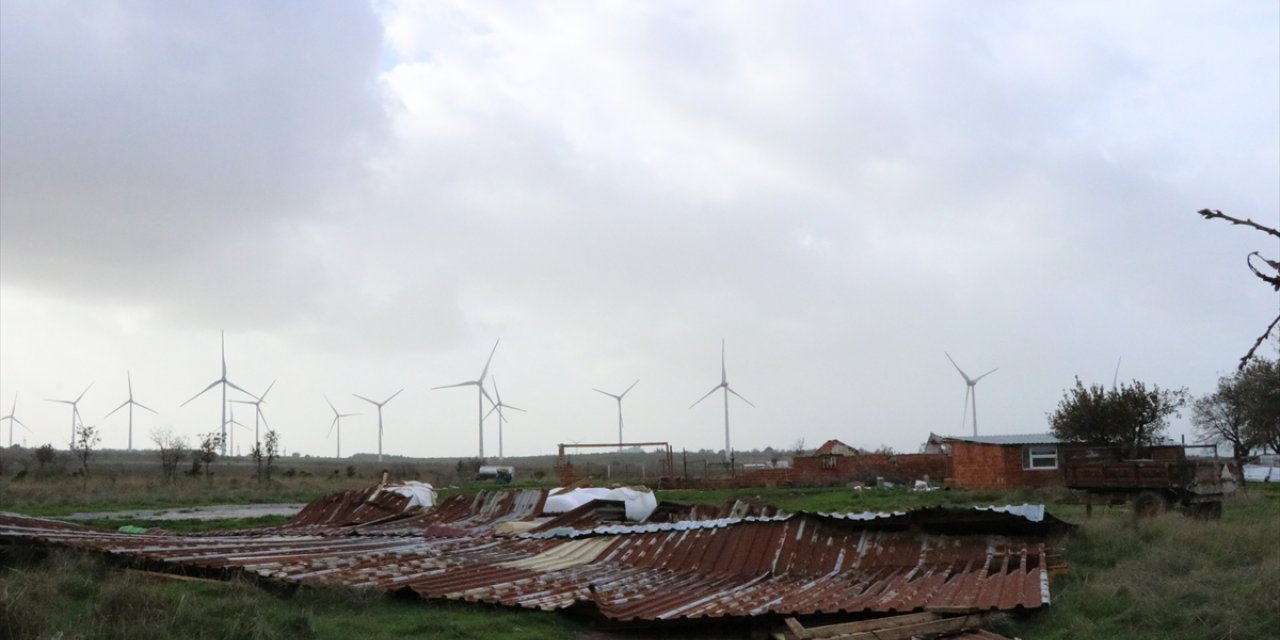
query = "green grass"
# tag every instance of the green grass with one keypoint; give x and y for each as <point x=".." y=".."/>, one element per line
<point x="53" y="497"/>
<point x="1169" y="577"/>
<point x="69" y="595"/>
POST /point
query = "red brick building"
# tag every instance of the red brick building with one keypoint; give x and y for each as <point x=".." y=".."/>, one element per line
<point x="999" y="462"/>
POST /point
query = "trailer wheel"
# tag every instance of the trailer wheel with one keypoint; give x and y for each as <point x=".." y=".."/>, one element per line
<point x="1148" y="504"/>
<point x="1211" y="510"/>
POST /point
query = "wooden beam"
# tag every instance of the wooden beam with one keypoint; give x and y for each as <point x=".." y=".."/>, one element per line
<point x="877" y="624"/>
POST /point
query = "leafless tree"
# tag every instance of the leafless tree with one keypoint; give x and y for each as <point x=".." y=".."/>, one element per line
<point x="1268" y="271"/>
<point x="171" y="448"/>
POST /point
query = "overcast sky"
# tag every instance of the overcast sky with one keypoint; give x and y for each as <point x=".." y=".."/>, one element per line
<point x="366" y="196"/>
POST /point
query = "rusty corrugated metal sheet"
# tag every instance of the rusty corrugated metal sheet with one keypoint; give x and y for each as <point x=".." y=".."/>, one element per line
<point x="744" y="566"/>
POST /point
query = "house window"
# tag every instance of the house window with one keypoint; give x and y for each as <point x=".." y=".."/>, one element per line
<point x="1040" y="456"/>
<point x="828" y="462"/>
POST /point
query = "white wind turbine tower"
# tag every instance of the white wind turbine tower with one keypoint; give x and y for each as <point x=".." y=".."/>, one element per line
<point x="499" y="406"/>
<point x="724" y="384"/>
<point x="131" y="403"/>
<point x="337" y="424"/>
<point x="483" y="395"/>
<point x="13" y="419"/>
<point x="619" y="397"/>
<point x="970" y="393"/>
<point x="379" y="406"/>
<point x="75" y="411"/>
<point x="259" y="418"/>
<point x="225" y="383"/>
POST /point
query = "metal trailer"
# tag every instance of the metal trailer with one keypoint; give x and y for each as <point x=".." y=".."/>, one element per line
<point x="1195" y="485"/>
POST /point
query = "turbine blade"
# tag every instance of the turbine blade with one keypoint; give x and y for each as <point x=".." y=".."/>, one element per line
<point x="263" y="397"/>
<point x="724" y="375"/>
<point x="975" y="380"/>
<point x="139" y="404"/>
<point x="364" y="398"/>
<point x="239" y="388"/>
<point x="263" y="416"/>
<point x="604" y="392"/>
<point x="24" y="426"/>
<point x="454" y="386"/>
<point x="86" y="390"/>
<point x="335" y="410"/>
<point x="486" y="362"/>
<point x="211" y="385"/>
<point x="332" y="424"/>
<point x="122" y="405"/>
<point x="486" y="394"/>
<point x="129" y="377"/>
<point x="393" y="396"/>
<point x="507" y="406"/>
<point x="490" y="411"/>
<point x="633" y="384"/>
<point x="713" y="390"/>
<point x="730" y="390"/>
<point x="962" y="373"/>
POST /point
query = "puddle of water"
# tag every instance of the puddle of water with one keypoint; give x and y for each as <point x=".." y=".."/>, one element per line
<point x="214" y="512"/>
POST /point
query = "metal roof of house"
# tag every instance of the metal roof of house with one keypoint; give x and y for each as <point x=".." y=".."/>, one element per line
<point x="736" y="565"/>
<point x="1026" y="438"/>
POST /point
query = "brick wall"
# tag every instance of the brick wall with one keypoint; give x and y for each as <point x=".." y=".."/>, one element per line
<point x="899" y="469"/>
<point x="989" y="466"/>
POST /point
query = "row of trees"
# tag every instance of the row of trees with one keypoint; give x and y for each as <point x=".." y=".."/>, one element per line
<point x="172" y="449"/>
<point x="1243" y="412"/>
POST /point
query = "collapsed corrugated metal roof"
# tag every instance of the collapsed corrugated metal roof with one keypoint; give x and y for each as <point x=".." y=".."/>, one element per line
<point x="730" y="566"/>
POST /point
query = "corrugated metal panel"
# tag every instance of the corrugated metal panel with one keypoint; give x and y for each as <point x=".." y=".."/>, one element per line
<point x="796" y="564"/>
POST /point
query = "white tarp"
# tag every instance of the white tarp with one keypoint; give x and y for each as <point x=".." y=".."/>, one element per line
<point x="420" y="494"/>
<point x="639" y="502"/>
<point x="1261" y="473"/>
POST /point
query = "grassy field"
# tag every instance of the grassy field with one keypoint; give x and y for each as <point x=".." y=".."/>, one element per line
<point x="1170" y="577"/>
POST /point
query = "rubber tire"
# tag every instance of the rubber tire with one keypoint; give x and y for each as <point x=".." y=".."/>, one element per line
<point x="1149" y="504"/>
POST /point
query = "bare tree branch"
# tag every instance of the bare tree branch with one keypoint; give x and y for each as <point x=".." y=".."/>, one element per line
<point x="1257" y="343"/>
<point x="1274" y="281"/>
<point x="1210" y="214"/>
<point x="1271" y="279"/>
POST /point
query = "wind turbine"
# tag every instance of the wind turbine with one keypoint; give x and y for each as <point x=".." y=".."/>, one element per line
<point x="498" y="406"/>
<point x="724" y="384"/>
<point x="131" y="403"/>
<point x="619" y="397"/>
<point x="257" y="409"/>
<point x="13" y="419"/>
<point x="233" y="423"/>
<point x="379" y="406"/>
<point x="337" y="423"/>
<point x="225" y="383"/>
<point x="478" y="383"/>
<point x="75" y="411"/>
<point x="970" y="392"/>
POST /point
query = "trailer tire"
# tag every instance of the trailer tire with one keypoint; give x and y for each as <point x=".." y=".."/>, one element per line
<point x="1148" y="504"/>
<point x="1211" y="510"/>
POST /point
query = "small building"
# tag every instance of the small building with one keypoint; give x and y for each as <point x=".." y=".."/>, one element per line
<point x="999" y="462"/>
<point x="836" y="463"/>
<point x="837" y="448"/>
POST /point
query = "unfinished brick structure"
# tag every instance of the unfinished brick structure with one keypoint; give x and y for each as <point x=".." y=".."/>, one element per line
<point x="1001" y="462"/>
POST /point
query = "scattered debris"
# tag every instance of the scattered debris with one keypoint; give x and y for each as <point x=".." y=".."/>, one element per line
<point x="679" y="562"/>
